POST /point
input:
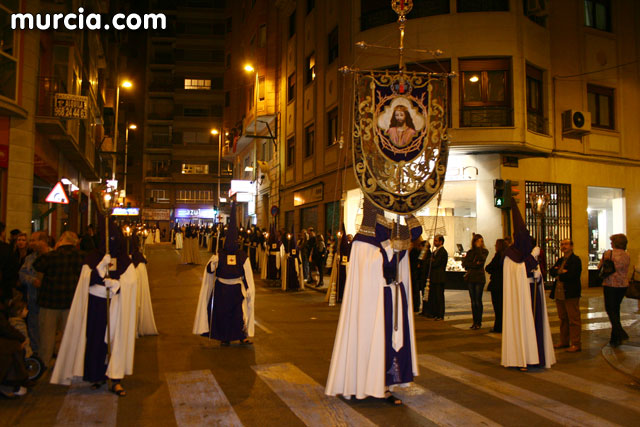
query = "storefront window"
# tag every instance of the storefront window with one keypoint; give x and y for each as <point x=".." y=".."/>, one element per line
<point x="606" y="213"/>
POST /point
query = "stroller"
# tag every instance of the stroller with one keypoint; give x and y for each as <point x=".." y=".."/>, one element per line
<point x="35" y="367"/>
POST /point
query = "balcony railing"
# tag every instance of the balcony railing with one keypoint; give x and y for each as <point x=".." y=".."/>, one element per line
<point x="537" y="123"/>
<point x="486" y="117"/>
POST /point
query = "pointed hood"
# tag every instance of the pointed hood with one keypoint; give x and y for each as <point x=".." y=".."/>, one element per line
<point x="292" y="243"/>
<point x="231" y="240"/>
<point x="273" y="237"/>
<point x="117" y="243"/>
<point x="344" y="242"/>
<point x="522" y="246"/>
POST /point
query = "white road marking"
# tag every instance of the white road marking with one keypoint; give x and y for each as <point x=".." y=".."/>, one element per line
<point x="579" y="384"/>
<point x="439" y="409"/>
<point x="198" y="400"/>
<point x="261" y="326"/>
<point x="306" y="398"/>
<point x="526" y="399"/>
<point x="85" y="407"/>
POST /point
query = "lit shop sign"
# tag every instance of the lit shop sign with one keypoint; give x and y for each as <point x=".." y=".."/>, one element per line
<point x="241" y="186"/>
<point x="195" y="213"/>
<point x="126" y="211"/>
<point x="70" y="106"/>
<point x="112" y="183"/>
<point x="244" y="197"/>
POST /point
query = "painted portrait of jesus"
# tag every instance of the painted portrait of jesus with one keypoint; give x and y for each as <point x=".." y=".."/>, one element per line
<point x="401" y="128"/>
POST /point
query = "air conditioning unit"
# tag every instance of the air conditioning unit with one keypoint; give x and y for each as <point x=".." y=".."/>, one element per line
<point x="537" y="7"/>
<point x="576" y="123"/>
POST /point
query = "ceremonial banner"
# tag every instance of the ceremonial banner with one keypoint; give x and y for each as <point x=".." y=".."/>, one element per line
<point x="400" y="145"/>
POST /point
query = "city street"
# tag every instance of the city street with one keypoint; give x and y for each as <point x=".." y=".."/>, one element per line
<point x="181" y="379"/>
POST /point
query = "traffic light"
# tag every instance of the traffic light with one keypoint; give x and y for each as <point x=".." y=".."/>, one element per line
<point x="498" y="193"/>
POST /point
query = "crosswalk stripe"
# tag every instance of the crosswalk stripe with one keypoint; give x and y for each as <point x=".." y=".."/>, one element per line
<point x="85" y="407"/>
<point x="600" y="391"/>
<point x="439" y="409"/>
<point x="306" y="398"/>
<point x="526" y="399"/>
<point x="198" y="400"/>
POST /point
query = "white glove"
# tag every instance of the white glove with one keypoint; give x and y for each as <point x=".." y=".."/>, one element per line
<point x="537" y="273"/>
<point x="112" y="285"/>
<point x="103" y="266"/>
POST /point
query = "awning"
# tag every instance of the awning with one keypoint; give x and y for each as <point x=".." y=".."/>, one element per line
<point x="254" y="131"/>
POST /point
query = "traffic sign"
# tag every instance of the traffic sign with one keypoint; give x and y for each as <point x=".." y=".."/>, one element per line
<point x="57" y="195"/>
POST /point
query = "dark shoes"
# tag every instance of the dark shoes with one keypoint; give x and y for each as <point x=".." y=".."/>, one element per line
<point x="476" y="326"/>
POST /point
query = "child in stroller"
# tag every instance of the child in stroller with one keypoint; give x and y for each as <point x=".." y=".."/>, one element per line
<point x="18" y="313"/>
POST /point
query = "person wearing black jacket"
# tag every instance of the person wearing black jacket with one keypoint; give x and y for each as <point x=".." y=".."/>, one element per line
<point x="473" y="262"/>
<point x="437" y="278"/>
<point x="567" y="291"/>
<point x="494" y="268"/>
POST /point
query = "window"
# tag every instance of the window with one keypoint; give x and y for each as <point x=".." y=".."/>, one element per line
<point x="485" y="93"/>
<point x="195" y="112"/>
<point x="483" y="5"/>
<point x="311" y="4"/>
<point x="332" y="127"/>
<point x="288" y="220"/>
<point x="201" y="136"/>
<point x="262" y="35"/>
<point x="309" y="141"/>
<point x="536" y="121"/>
<point x="159" y="168"/>
<point x="291" y="151"/>
<point x="310" y="69"/>
<point x="292" y="24"/>
<point x="266" y="151"/>
<point x="194" y="196"/>
<point x="194" y="169"/>
<point x="291" y="87"/>
<point x="227" y="61"/>
<point x="597" y="14"/>
<point x="261" y="88"/>
<point x="332" y="217"/>
<point x="606" y="216"/>
<point x="600" y="100"/>
<point x="227" y="99"/>
<point x="8" y="53"/>
<point x="159" y="196"/>
<point x="333" y="45"/>
<point x="252" y="96"/>
<point x="374" y="13"/>
<point x="197" y="84"/>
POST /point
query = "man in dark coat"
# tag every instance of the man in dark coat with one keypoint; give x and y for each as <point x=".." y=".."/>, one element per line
<point x="566" y="291"/>
<point x="437" y="279"/>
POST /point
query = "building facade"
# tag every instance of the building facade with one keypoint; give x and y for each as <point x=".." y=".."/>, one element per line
<point x="184" y="98"/>
<point x="546" y="98"/>
<point x="42" y="142"/>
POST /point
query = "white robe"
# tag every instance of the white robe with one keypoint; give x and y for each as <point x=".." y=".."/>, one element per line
<point x="146" y="324"/>
<point x="358" y="360"/>
<point x="157" y="236"/>
<point x="201" y="321"/>
<point x="519" y="344"/>
<point x="70" y="360"/>
<point x="179" y="240"/>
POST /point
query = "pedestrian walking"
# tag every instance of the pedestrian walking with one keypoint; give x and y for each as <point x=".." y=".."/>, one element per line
<point x="614" y="287"/>
<point x="494" y="268"/>
<point x="566" y="291"/>
<point x="435" y="306"/>
<point x="473" y="262"/>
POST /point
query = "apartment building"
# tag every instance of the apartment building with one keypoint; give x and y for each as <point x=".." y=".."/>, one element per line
<point x="183" y="115"/>
<point x="544" y="97"/>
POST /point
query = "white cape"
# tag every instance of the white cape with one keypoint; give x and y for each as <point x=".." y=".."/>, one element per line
<point x="201" y="321"/>
<point x="146" y="323"/>
<point x="179" y="240"/>
<point x="70" y="360"/>
<point x="519" y="345"/>
<point x="358" y="360"/>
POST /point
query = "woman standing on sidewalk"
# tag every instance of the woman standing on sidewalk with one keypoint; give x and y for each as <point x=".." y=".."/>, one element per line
<point x="615" y="286"/>
<point x="474" y="264"/>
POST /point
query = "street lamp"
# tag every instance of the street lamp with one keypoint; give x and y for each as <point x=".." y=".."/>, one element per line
<point x="215" y="132"/>
<point x="127" y="85"/>
<point x="126" y="154"/>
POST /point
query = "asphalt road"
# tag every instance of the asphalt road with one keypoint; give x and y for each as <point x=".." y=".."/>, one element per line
<point x="182" y="379"/>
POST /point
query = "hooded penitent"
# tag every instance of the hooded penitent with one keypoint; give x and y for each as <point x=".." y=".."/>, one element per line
<point x="274" y="255"/>
<point x="83" y="350"/>
<point x="375" y="344"/>
<point x="225" y="306"/>
<point x="526" y="336"/>
<point x="292" y="275"/>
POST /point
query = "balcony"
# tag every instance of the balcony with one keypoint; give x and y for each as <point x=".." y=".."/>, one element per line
<point x="537" y="123"/>
<point x="68" y="135"/>
<point x="159" y="142"/>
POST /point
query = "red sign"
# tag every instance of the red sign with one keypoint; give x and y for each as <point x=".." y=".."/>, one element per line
<point x="57" y="195"/>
